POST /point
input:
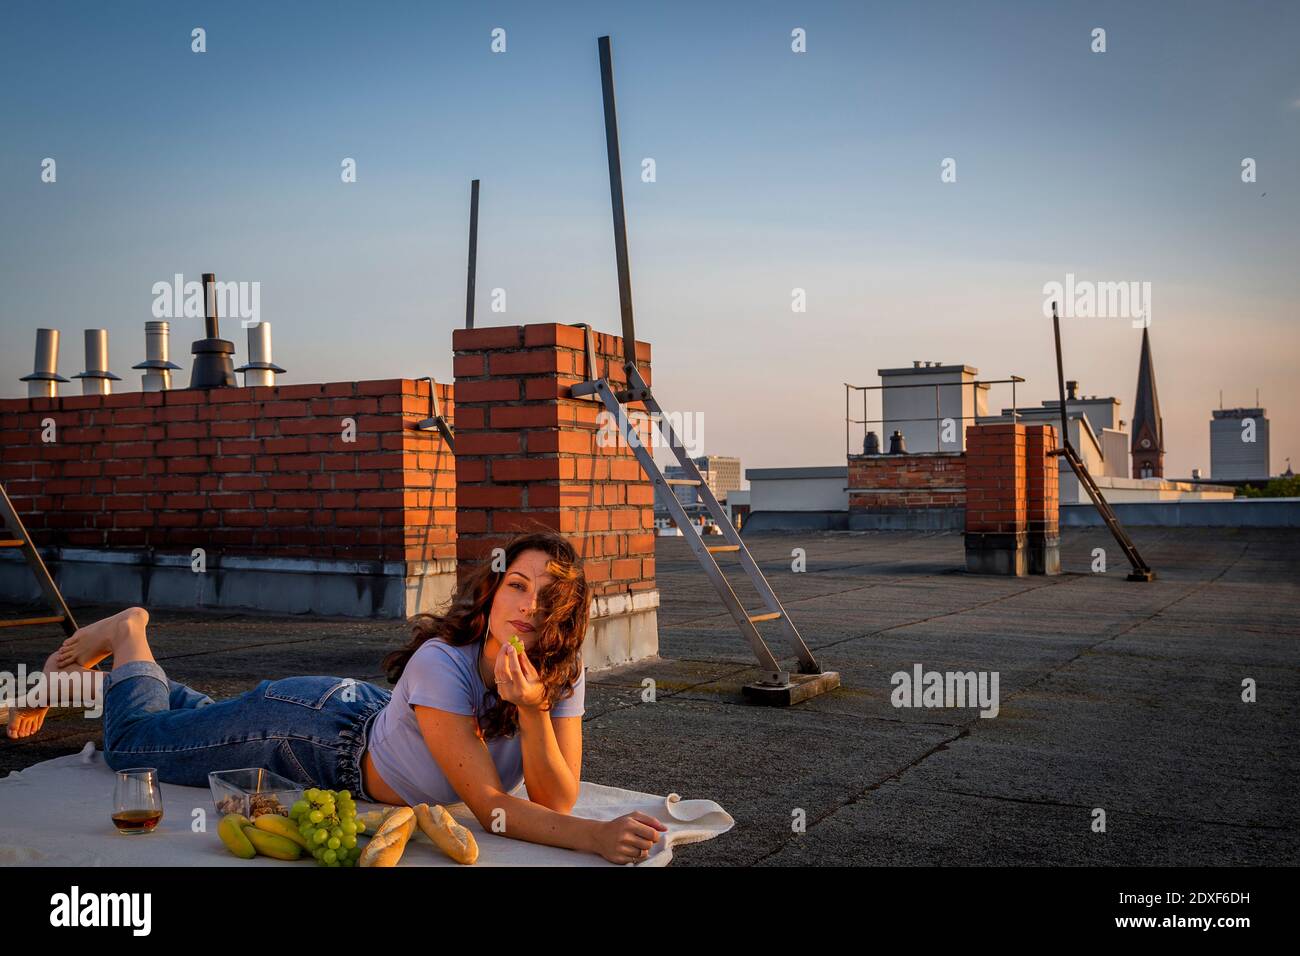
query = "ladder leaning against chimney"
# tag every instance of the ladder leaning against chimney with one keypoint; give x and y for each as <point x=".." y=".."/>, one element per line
<point x="776" y="686"/>
<point x="14" y="535"/>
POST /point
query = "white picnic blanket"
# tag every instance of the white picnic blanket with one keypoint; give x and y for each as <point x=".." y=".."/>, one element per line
<point x="56" y="813"/>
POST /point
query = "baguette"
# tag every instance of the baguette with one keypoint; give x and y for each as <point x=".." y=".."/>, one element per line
<point x="386" y="846"/>
<point x="373" y="819"/>
<point x="447" y="835"/>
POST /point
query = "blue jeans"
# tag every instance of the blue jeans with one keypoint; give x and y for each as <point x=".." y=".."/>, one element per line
<point x="312" y="730"/>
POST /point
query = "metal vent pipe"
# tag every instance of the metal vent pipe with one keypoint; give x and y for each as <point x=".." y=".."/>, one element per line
<point x="45" y="377"/>
<point x="97" y="379"/>
<point x="157" y="364"/>
<point x="260" y="370"/>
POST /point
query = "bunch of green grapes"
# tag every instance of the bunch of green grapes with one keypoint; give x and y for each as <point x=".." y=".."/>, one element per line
<point x="327" y="819"/>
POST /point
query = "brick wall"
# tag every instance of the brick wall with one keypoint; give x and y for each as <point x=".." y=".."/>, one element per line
<point x="1042" y="500"/>
<point x="995" y="478"/>
<point x="927" y="480"/>
<point x="996" y="502"/>
<point x="1042" y="480"/>
<point x="249" y="471"/>
<point x="907" y="491"/>
<point x="528" y="453"/>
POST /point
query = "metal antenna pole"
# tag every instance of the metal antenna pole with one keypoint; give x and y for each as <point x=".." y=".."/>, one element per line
<point x="210" y="320"/>
<point x="616" y="200"/>
<point x="1060" y="372"/>
<point x="473" y="254"/>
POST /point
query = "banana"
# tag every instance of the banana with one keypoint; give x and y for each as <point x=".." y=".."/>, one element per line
<point x="231" y="831"/>
<point x="268" y="844"/>
<point x="281" y="826"/>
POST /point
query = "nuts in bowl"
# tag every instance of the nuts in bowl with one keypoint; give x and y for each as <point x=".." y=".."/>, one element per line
<point x="252" y="792"/>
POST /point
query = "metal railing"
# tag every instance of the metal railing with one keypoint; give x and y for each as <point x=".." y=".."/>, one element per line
<point x="938" y="418"/>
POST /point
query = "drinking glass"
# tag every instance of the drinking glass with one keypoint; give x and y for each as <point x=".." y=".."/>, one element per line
<point x="137" y="800"/>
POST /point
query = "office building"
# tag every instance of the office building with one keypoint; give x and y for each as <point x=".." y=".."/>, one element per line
<point x="1239" y="444"/>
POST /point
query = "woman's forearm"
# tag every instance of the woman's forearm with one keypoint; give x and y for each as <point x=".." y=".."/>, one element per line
<point x="526" y="820"/>
<point x="546" y="774"/>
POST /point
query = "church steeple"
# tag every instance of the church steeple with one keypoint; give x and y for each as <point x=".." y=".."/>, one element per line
<point x="1148" y="433"/>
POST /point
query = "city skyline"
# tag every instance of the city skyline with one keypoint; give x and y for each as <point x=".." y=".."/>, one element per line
<point x="776" y="171"/>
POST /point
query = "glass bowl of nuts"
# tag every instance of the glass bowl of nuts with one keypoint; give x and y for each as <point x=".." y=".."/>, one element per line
<point x="252" y="792"/>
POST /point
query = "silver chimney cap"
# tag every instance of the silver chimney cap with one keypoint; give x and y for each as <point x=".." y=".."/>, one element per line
<point x="45" y="377"/>
<point x="259" y="370"/>
<point x="157" y="366"/>
<point x="97" y="379"/>
<point x="43" y="381"/>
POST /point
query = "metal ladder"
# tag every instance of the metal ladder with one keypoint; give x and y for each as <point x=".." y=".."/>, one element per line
<point x="14" y="535"/>
<point x="1140" y="570"/>
<point x="776" y="686"/>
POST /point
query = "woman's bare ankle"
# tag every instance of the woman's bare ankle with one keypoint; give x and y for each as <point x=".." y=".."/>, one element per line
<point x="129" y="641"/>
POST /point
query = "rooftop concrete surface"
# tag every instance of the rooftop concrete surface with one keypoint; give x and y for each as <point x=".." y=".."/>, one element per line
<point x="1114" y="695"/>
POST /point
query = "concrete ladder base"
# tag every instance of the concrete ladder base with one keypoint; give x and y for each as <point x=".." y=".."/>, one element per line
<point x="801" y="687"/>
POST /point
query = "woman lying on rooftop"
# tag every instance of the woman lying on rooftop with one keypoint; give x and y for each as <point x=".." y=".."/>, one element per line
<point x="468" y="718"/>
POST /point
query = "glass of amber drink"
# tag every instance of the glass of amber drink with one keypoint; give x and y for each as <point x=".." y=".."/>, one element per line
<point x="137" y="800"/>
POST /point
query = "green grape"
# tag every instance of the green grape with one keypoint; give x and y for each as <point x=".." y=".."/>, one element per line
<point x="328" y="819"/>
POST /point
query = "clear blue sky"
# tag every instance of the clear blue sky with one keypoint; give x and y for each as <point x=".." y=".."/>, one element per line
<point x="776" y="170"/>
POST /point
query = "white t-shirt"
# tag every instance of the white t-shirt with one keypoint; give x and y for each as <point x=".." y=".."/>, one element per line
<point x="444" y="676"/>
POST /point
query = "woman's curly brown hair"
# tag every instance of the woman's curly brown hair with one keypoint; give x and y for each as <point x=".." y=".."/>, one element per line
<point x="564" y="606"/>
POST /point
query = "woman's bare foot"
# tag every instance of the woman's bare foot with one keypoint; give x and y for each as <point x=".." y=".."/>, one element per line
<point x="25" y="721"/>
<point x="87" y="647"/>
<point x="82" y="652"/>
